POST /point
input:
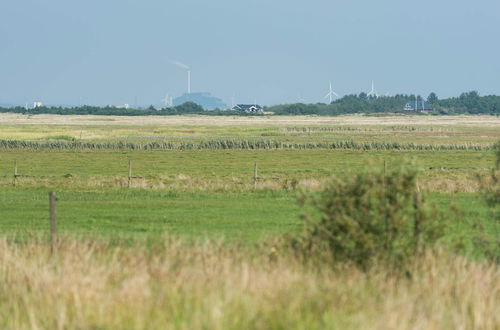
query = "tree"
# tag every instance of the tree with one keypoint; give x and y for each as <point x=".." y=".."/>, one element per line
<point x="189" y="107"/>
<point x="432" y="98"/>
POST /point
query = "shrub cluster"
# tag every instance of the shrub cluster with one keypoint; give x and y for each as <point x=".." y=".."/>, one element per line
<point x="369" y="217"/>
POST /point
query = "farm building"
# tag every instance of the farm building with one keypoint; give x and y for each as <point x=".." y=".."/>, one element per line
<point x="417" y="107"/>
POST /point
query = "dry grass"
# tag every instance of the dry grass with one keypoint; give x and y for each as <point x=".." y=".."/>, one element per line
<point x="439" y="180"/>
<point x="435" y="130"/>
<point x="93" y="285"/>
<point x="195" y="120"/>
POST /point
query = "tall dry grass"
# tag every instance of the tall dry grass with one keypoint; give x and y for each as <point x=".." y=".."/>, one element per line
<point x="444" y="181"/>
<point x="96" y="285"/>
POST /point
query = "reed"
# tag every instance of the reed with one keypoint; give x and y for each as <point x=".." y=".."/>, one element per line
<point x="231" y="145"/>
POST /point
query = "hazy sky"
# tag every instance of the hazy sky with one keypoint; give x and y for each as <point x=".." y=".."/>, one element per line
<point x="117" y="51"/>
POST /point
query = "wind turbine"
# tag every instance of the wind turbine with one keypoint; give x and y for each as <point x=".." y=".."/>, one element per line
<point x="167" y="101"/>
<point x="331" y="94"/>
<point x="373" y="92"/>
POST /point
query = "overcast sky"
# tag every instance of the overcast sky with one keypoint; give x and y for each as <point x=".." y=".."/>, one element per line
<point x="274" y="51"/>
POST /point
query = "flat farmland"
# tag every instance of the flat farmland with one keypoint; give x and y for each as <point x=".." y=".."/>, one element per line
<point x="139" y="215"/>
<point x="226" y="169"/>
<point x="482" y="130"/>
<point x="199" y="237"/>
<point x="215" y="192"/>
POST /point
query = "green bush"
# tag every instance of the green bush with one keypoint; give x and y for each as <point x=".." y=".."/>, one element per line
<point x="369" y="217"/>
<point x="490" y="188"/>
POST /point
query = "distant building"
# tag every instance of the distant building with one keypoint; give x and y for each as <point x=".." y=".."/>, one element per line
<point x="417" y="107"/>
<point x="37" y="104"/>
<point x="248" y="108"/>
<point x="205" y="100"/>
<point x="125" y="106"/>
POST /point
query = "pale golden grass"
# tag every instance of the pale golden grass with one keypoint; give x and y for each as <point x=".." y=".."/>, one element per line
<point x="198" y="120"/>
<point x="209" y="285"/>
<point x="451" y="130"/>
<point x="439" y="180"/>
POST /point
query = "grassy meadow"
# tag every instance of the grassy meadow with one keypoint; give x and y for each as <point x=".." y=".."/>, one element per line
<point x="194" y="242"/>
<point x="209" y="285"/>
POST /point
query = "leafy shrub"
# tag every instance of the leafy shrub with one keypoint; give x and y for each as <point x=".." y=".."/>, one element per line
<point x="490" y="188"/>
<point x="371" y="216"/>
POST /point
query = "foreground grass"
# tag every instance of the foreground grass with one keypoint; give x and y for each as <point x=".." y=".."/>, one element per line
<point x="209" y="285"/>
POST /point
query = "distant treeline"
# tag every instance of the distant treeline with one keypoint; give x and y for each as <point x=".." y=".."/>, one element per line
<point x="186" y="108"/>
<point x="466" y="103"/>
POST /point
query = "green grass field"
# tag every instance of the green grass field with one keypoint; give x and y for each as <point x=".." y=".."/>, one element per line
<point x="226" y="169"/>
<point x="138" y="213"/>
<point x="135" y="215"/>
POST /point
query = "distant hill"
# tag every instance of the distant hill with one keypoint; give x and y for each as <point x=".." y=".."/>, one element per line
<point x="205" y="100"/>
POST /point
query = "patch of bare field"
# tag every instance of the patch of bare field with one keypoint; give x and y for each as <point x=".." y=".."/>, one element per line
<point x="199" y="120"/>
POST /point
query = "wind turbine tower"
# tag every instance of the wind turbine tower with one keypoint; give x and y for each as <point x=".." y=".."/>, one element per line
<point x="168" y="101"/>
<point x="331" y="94"/>
<point x="189" y="81"/>
<point x="373" y="92"/>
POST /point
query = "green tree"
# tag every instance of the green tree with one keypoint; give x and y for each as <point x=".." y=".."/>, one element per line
<point x="432" y="98"/>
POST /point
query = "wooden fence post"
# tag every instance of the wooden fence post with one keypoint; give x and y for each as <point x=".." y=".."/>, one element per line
<point x="129" y="172"/>
<point x="15" y="173"/>
<point x="53" y="220"/>
<point x="418" y="216"/>
<point x="255" y="175"/>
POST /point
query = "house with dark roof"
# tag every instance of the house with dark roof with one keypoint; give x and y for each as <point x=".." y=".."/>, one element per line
<point x="417" y="107"/>
<point x="248" y="108"/>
